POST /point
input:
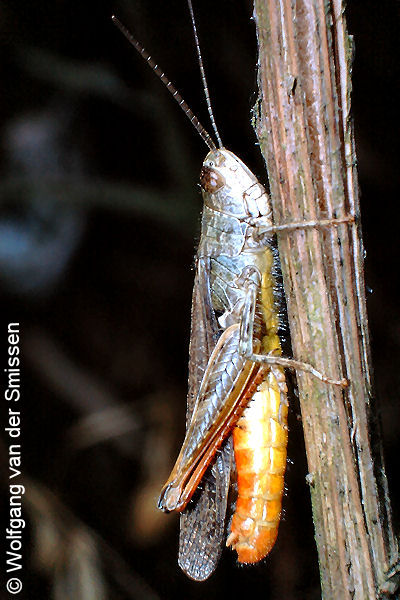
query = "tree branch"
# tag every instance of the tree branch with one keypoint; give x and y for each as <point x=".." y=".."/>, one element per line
<point x="306" y="135"/>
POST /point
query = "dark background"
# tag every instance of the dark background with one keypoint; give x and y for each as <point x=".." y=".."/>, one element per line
<point x="99" y="217"/>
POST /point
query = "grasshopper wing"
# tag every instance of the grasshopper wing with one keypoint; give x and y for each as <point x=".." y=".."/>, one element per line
<point x="202" y="528"/>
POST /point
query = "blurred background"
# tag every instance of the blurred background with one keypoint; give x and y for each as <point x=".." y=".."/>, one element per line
<point x="99" y="216"/>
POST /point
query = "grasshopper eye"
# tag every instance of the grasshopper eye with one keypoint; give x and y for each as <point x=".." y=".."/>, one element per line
<point x="210" y="180"/>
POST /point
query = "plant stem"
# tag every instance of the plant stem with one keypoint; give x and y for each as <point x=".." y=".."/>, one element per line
<point x="306" y="136"/>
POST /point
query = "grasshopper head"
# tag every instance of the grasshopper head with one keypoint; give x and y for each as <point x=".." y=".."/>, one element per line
<point x="224" y="180"/>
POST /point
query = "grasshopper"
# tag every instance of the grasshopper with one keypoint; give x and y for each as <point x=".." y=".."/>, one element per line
<point x="236" y="425"/>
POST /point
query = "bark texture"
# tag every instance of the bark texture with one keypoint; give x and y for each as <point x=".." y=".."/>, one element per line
<point x="306" y="135"/>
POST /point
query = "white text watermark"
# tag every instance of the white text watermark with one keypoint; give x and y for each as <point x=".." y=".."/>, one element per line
<point x="16" y="522"/>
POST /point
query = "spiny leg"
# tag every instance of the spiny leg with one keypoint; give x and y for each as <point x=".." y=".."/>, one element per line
<point x="246" y="342"/>
<point x="269" y="230"/>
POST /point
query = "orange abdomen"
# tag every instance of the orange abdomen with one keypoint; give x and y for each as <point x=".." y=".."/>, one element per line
<point x="260" y="441"/>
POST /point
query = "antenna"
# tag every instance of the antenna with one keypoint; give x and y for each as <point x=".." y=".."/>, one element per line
<point x="203" y="75"/>
<point x="168" y="84"/>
